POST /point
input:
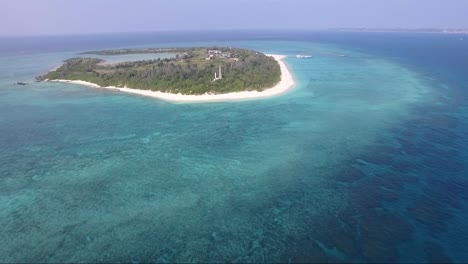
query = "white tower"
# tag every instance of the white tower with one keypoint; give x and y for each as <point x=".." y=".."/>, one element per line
<point x="219" y="76"/>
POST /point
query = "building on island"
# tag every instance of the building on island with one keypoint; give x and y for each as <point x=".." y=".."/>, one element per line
<point x="214" y="53"/>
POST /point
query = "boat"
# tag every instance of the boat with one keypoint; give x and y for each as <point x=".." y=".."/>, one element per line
<point x="300" y="56"/>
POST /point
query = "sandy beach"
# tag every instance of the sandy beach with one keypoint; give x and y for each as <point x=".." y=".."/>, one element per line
<point x="285" y="84"/>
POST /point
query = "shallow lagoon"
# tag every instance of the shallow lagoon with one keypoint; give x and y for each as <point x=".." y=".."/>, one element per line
<point x="363" y="161"/>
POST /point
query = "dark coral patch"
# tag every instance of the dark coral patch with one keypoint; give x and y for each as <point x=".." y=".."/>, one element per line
<point x="423" y="109"/>
<point x="379" y="252"/>
<point x="380" y="232"/>
<point x="378" y="159"/>
<point x="391" y="181"/>
<point x="431" y="149"/>
<point x="384" y="226"/>
<point x="447" y="192"/>
<point x="304" y="250"/>
<point x="405" y="166"/>
<point x="384" y="149"/>
<point x="443" y="164"/>
<point x="435" y="121"/>
<point x="368" y="196"/>
<point x="435" y="253"/>
<point x="387" y="150"/>
<point x="441" y="136"/>
<point x="430" y="212"/>
<point x="337" y="232"/>
<point x="442" y="121"/>
<point x="455" y="186"/>
<point x="408" y="147"/>
<point x="409" y="133"/>
<point x="349" y="174"/>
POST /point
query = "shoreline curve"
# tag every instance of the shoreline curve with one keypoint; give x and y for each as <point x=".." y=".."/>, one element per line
<point x="285" y="84"/>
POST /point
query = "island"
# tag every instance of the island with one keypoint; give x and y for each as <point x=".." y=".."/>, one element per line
<point x="192" y="74"/>
<point x="407" y="30"/>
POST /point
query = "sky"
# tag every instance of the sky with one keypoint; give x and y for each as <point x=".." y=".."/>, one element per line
<point x="57" y="17"/>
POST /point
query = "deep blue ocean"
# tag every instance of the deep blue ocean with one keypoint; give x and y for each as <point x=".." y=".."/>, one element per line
<point x="365" y="160"/>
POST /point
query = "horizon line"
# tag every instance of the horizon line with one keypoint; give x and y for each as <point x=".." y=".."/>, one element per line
<point x="362" y="29"/>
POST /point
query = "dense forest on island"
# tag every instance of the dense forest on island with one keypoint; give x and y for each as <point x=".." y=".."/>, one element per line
<point x="191" y="71"/>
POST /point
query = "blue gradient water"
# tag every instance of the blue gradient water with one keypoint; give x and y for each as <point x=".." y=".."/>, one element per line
<point x="365" y="160"/>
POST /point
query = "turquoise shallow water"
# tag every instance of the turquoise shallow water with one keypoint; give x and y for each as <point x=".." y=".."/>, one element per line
<point x="362" y="161"/>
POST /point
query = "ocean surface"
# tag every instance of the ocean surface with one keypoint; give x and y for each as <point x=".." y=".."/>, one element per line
<point x="365" y="160"/>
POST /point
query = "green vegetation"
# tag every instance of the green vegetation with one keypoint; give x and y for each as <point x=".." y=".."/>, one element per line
<point x="190" y="72"/>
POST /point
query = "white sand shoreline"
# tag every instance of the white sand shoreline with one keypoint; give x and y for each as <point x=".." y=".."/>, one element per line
<point x="285" y="84"/>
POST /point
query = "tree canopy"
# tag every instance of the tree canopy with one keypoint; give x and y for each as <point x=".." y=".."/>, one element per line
<point x="191" y="71"/>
